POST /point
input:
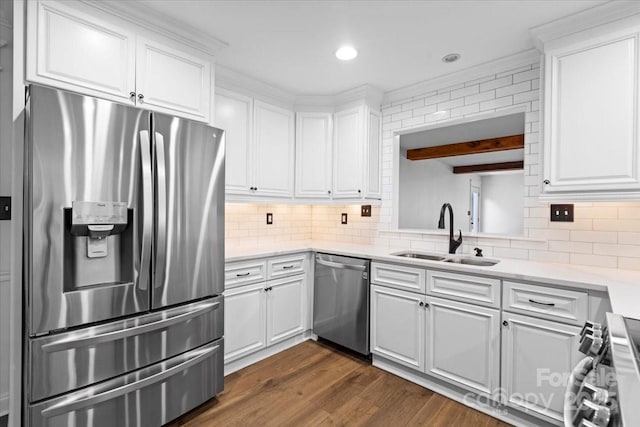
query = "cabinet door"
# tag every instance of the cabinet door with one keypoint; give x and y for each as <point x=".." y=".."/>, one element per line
<point x="463" y="344"/>
<point x="397" y="326"/>
<point x="244" y="321"/>
<point x="234" y="115"/>
<point x="373" y="173"/>
<point x="285" y="308"/>
<point x="591" y="115"/>
<point x="274" y="147"/>
<point x="537" y="359"/>
<point x="173" y="79"/>
<point x="313" y="155"/>
<point x="348" y="153"/>
<point x="73" y="50"/>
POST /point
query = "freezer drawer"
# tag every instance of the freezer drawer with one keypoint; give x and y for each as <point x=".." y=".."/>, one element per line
<point x="151" y="396"/>
<point x="65" y="362"/>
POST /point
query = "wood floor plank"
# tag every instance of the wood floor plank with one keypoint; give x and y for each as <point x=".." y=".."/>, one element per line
<point x="313" y="384"/>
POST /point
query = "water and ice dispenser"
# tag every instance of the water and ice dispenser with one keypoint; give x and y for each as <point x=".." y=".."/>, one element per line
<point x="99" y="244"/>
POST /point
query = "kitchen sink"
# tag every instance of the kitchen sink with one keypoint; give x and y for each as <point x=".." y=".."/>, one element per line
<point x="419" y="255"/>
<point x="477" y="261"/>
<point x="472" y="261"/>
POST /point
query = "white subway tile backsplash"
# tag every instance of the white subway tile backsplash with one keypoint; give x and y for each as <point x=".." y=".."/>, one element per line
<point x="526" y="75"/>
<point x="496" y="103"/>
<point x="603" y="234"/>
<point x="512" y="89"/>
<point x="494" y="84"/>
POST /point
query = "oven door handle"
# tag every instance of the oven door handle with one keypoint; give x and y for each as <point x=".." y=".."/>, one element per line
<point x="576" y="378"/>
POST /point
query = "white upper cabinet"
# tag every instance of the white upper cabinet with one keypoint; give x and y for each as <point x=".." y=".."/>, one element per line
<point x="357" y="154"/>
<point x="274" y="148"/>
<point x="591" y="140"/>
<point x="313" y="155"/>
<point x="71" y="49"/>
<point x="234" y="114"/>
<point x="82" y="49"/>
<point x="348" y="153"/>
<point x="174" y="81"/>
<point x="373" y="172"/>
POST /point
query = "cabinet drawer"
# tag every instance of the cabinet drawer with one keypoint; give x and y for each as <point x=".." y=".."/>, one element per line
<point x="464" y="287"/>
<point x="244" y="273"/>
<point x="398" y="276"/>
<point x="286" y="266"/>
<point x="545" y="302"/>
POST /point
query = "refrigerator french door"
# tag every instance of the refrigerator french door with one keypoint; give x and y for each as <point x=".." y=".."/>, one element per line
<point x="124" y="223"/>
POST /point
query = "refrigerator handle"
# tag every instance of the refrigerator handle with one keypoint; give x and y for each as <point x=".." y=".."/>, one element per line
<point x="87" y="399"/>
<point x="147" y="210"/>
<point x="161" y="210"/>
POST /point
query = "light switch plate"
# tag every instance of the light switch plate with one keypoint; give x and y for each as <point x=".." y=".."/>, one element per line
<point x="365" y="210"/>
<point x="561" y="213"/>
<point x="344" y="218"/>
<point x="5" y="208"/>
<point x="269" y="218"/>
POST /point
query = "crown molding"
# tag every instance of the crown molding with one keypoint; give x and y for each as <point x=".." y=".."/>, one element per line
<point x="589" y="18"/>
<point x="237" y="82"/>
<point x="138" y="14"/>
<point x="527" y="57"/>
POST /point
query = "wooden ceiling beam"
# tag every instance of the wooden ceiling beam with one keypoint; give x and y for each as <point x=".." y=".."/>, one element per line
<point x="505" y="166"/>
<point x="512" y="142"/>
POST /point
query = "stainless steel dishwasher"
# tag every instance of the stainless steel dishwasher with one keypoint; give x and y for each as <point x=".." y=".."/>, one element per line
<point x="341" y="301"/>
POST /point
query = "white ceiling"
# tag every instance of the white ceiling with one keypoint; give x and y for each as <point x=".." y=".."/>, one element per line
<point x="291" y="44"/>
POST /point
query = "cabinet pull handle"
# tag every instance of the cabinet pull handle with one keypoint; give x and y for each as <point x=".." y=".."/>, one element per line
<point x="242" y="274"/>
<point x="546" y="182"/>
<point x="286" y="267"/>
<point x="421" y="304"/>
<point x="132" y="96"/>
<point x="359" y="191"/>
<point x="505" y="323"/>
<point x="141" y="98"/>
<point x="547" y="304"/>
<point x="328" y="191"/>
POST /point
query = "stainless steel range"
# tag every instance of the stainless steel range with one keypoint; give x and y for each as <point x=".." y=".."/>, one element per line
<point x="124" y="261"/>
<point x="604" y="388"/>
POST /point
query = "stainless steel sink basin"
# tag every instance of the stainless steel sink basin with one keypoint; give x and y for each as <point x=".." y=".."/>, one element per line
<point x="418" y="255"/>
<point x="473" y="261"/>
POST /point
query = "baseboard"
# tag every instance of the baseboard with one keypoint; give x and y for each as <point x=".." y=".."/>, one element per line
<point x="4" y="404"/>
<point x="236" y="365"/>
<point x="480" y="403"/>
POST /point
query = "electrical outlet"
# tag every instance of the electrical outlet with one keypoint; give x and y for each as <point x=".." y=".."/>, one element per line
<point x="269" y="218"/>
<point x="344" y="218"/>
<point x="365" y="210"/>
<point x="563" y="213"/>
<point x="5" y="208"/>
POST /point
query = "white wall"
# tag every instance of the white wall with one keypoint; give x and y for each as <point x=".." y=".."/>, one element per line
<point x="425" y="186"/>
<point x="501" y="205"/>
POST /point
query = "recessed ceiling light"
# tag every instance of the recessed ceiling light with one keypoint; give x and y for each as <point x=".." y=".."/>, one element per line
<point x="452" y="57"/>
<point x="346" y="53"/>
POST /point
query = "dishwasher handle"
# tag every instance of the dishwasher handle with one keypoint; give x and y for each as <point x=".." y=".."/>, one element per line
<point x="340" y="265"/>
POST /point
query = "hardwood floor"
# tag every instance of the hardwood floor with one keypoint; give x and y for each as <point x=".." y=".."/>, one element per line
<point x="312" y="384"/>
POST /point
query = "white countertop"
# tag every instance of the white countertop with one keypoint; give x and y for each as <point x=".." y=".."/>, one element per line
<point x="623" y="286"/>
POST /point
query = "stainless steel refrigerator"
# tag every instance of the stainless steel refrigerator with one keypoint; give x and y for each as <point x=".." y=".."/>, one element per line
<point x="124" y="261"/>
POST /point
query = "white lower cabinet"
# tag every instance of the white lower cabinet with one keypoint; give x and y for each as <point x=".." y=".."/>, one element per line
<point x="397" y="326"/>
<point x="285" y="308"/>
<point x="537" y="359"/>
<point x="463" y="344"/>
<point x="245" y="312"/>
<point x="259" y="315"/>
